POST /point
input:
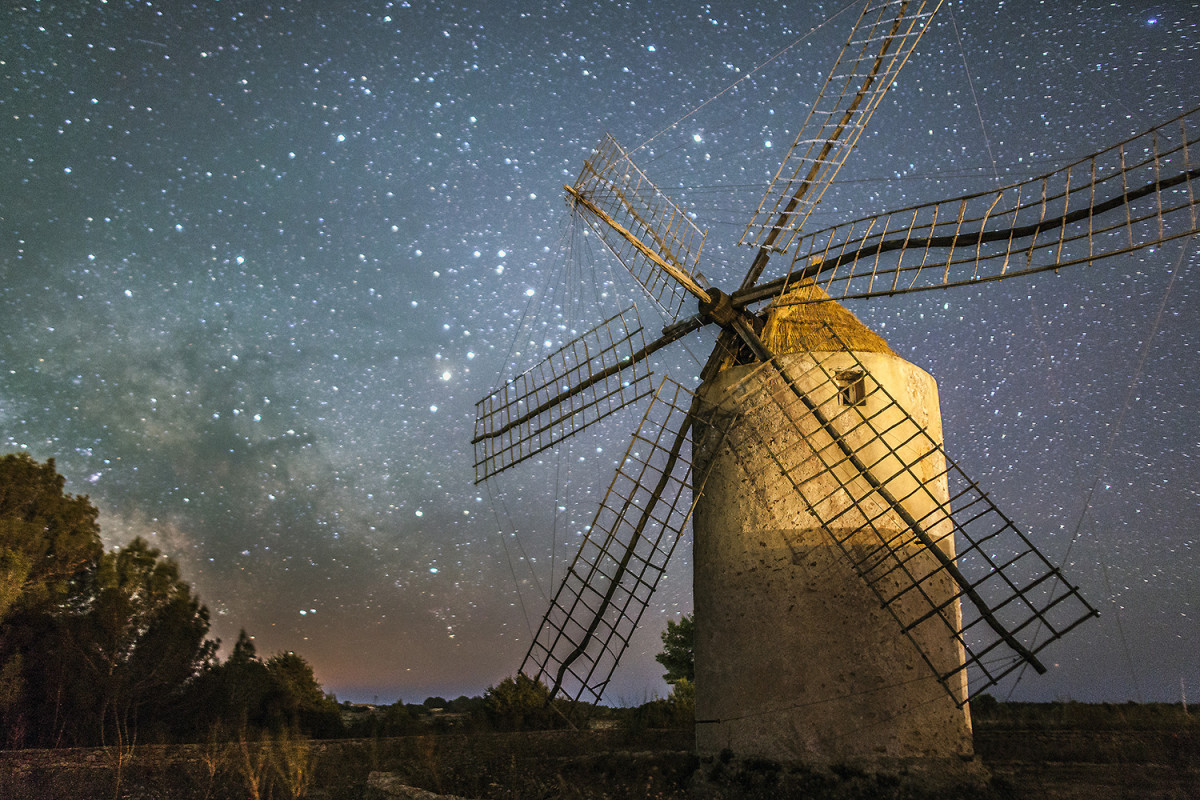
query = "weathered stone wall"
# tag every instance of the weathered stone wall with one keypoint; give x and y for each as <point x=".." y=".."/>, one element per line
<point x="795" y="658"/>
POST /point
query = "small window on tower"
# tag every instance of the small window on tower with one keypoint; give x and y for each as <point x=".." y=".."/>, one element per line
<point x="852" y="387"/>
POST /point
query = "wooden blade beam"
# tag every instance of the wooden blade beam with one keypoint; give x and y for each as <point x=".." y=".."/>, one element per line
<point x="883" y="38"/>
<point x="624" y="553"/>
<point x="679" y="275"/>
<point x="1067" y="217"/>
<point x="652" y="237"/>
<point x="526" y="416"/>
<point x="536" y="409"/>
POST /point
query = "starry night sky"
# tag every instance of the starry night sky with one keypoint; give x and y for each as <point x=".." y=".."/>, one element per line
<point x="259" y="261"/>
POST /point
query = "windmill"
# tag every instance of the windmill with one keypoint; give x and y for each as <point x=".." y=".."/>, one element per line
<point x="854" y="587"/>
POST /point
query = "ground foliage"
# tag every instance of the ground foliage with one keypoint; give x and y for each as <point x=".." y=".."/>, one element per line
<point x="626" y="762"/>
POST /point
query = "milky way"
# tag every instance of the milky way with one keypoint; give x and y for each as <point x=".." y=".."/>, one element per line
<point x="261" y="260"/>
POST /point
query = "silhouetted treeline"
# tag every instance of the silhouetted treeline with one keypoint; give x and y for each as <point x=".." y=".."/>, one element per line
<point x="111" y="647"/>
<point x="517" y="703"/>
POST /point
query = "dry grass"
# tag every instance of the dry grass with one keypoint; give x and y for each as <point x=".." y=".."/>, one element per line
<point x="253" y="759"/>
<point x="213" y="759"/>
<point x="620" y="765"/>
<point x="293" y="762"/>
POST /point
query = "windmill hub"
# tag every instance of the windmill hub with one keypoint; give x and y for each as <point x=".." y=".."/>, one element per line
<point x="719" y="308"/>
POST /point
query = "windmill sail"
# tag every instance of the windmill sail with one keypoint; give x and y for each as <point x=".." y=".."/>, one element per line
<point x="584" y="381"/>
<point x="623" y="556"/>
<point x="594" y="375"/>
<point x="651" y="236"/>
<point x="879" y="45"/>
<point x="882" y="509"/>
<point x="1136" y="194"/>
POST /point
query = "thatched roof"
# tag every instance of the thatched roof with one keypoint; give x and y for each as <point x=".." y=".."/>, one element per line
<point x="794" y="326"/>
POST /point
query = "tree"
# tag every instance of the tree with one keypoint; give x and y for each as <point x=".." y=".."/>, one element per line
<point x="678" y="710"/>
<point x="48" y="539"/>
<point x="248" y="694"/>
<point x="228" y="697"/>
<point x="49" y="546"/>
<point x="434" y="702"/>
<point x="678" y="654"/>
<point x="297" y="699"/>
<point x="142" y="636"/>
<point x="520" y="703"/>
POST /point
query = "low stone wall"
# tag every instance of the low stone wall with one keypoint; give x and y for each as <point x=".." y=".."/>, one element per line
<point x="1179" y="748"/>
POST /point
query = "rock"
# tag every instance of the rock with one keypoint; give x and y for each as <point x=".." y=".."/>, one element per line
<point x="387" y="786"/>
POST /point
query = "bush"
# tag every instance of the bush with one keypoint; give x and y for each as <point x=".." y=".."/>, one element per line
<point x="521" y="704"/>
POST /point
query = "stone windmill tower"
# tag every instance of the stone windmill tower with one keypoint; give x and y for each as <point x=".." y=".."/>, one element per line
<point x="796" y="655"/>
<point x="853" y="587"/>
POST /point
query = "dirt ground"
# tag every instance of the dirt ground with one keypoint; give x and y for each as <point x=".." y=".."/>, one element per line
<point x="1062" y="764"/>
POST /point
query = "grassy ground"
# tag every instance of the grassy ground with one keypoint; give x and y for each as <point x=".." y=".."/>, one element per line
<point x="1053" y="751"/>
